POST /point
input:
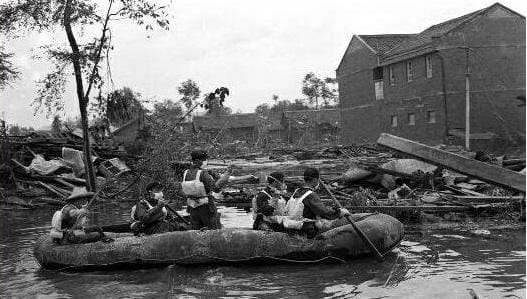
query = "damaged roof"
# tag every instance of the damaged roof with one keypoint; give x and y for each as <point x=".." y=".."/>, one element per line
<point x="382" y="43"/>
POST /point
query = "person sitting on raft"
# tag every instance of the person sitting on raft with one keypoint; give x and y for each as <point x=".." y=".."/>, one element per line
<point x="150" y="215"/>
<point x="305" y="211"/>
<point x="198" y="185"/>
<point x="269" y="203"/>
<point x="70" y="225"/>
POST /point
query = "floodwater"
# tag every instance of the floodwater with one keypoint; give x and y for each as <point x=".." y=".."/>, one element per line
<point x="427" y="264"/>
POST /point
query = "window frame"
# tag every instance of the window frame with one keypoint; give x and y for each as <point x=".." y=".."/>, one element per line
<point x="429" y="70"/>
<point x="411" y="118"/>
<point x="394" y="124"/>
<point x="391" y="76"/>
<point x="409" y="71"/>
<point x="432" y="112"/>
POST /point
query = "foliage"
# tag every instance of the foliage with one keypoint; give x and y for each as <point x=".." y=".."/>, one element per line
<point x="315" y="88"/>
<point x="56" y="125"/>
<point x="167" y="112"/>
<point x="213" y="102"/>
<point x="16" y="130"/>
<point x="121" y="106"/>
<point x="8" y="72"/>
<point x="280" y="106"/>
<point x="262" y="109"/>
<point x="24" y="16"/>
<point x="190" y="92"/>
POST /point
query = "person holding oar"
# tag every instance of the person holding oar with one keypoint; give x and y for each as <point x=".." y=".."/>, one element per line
<point x="197" y="185"/>
<point x="305" y="211"/>
<point x="150" y="214"/>
<point x="70" y="225"/>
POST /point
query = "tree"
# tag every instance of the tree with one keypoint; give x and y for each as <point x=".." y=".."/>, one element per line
<point x="329" y="92"/>
<point x="312" y="88"/>
<point x="56" y="125"/>
<point x="8" y="72"/>
<point x="275" y="98"/>
<point x="122" y="106"/>
<point x="167" y="112"/>
<point x="23" y="16"/>
<point x="213" y="101"/>
<point x="190" y="92"/>
<point x="262" y="109"/>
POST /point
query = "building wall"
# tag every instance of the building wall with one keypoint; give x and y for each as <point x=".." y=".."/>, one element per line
<point x="497" y="74"/>
<point x="357" y="94"/>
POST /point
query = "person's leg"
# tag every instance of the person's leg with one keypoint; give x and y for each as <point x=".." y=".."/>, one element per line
<point x="195" y="218"/>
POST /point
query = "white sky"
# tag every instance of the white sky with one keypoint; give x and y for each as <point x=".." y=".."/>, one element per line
<point x="255" y="48"/>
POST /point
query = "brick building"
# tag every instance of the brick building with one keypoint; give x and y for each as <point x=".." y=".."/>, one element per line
<point x="413" y="85"/>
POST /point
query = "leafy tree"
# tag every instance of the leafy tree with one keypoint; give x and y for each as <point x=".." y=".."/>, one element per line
<point x="167" y="112"/>
<point x="122" y="106"/>
<point x="329" y="92"/>
<point x="8" y="72"/>
<point x="312" y="88"/>
<point x="213" y="101"/>
<point x="190" y="92"/>
<point x="56" y="125"/>
<point x="275" y="98"/>
<point x="262" y="109"/>
<point x="315" y="88"/>
<point x="24" y="16"/>
<point x="16" y="130"/>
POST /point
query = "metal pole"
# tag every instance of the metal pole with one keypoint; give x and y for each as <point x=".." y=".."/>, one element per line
<point x="467" y="104"/>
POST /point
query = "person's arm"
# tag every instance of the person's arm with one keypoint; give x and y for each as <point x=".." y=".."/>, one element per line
<point x="209" y="182"/>
<point x="318" y="208"/>
<point x="262" y="202"/>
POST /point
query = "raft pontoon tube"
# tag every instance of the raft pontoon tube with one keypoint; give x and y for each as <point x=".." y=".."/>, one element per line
<point x="226" y="246"/>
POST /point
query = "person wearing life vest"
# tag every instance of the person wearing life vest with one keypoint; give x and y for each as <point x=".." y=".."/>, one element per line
<point x="269" y="204"/>
<point x="197" y="185"/>
<point x="305" y="209"/>
<point x="70" y="225"/>
<point x="150" y="215"/>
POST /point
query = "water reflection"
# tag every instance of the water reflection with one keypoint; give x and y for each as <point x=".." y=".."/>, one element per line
<point x="443" y="264"/>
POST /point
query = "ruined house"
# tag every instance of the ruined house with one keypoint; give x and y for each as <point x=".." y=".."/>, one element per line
<point x="311" y="126"/>
<point x="413" y="85"/>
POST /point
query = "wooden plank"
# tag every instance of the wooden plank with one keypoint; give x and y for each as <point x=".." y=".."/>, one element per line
<point x="410" y="208"/>
<point x="483" y="171"/>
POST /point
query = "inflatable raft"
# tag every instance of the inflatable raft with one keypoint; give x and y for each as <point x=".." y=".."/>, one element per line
<point x="230" y="246"/>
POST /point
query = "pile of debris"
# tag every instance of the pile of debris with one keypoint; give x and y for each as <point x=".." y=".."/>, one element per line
<point x="41" y="169"/>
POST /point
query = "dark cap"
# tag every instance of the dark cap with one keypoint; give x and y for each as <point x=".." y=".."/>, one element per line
<point x="199" y="155"/>
<point x="311" y="173"/>
<point x="275" y="176"/>
<point x="153" y="185"/>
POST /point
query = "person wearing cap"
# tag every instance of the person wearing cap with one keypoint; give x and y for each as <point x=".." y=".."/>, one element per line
<point x="149" y="215"/>
<point x="305" y="209"/>
<point x="198" y="184"/>
<point x="70" y="225"/>
<point x="270" y="203"/>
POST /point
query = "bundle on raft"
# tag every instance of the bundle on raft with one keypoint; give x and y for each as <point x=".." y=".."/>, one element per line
<point x="225" y="246"/>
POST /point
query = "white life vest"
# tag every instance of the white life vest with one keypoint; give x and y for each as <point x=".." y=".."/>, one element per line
<point x="194" y="190"/>
<point x="295" y="212"/>
<point x="295" y="206"/>
<point x="277" y="203"/>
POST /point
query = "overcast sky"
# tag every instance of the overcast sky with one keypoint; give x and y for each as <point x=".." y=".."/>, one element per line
<point x="255" y="48"/>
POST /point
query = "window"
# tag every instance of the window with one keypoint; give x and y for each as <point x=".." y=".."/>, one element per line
<point x="379" y="92"/>
<point x="378" y="82"/>
<point x="411" y="119"/>
<point x="428" y="62"/>
<point x="391" y="75"/>
<point x="394" y="121"/>
<point x="409" y="72"/>
<point x="431" y="117"/>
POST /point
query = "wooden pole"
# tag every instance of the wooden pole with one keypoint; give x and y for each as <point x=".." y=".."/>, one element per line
<point x="467" y="103"/>
<point x="364" y="238"/>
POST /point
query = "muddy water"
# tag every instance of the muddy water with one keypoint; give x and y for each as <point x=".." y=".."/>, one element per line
<point x="428" y="264"/>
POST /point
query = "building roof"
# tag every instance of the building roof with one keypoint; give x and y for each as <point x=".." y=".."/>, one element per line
<point x="424" y="39"/>
<point x="323" y="116"/>
<point x="381" y="43"/>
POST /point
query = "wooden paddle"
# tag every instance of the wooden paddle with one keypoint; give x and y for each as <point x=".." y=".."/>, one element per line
<point x="364" y="238"/>
<point x="177" y="214"/>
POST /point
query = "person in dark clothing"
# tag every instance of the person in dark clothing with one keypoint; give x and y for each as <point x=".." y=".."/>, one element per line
<point x="197" y="185"/>
<point x="269" y="202"/>
<point x="70" y="225"/>
<point x="150" y="215"/>
<point x="305" y="205"/>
